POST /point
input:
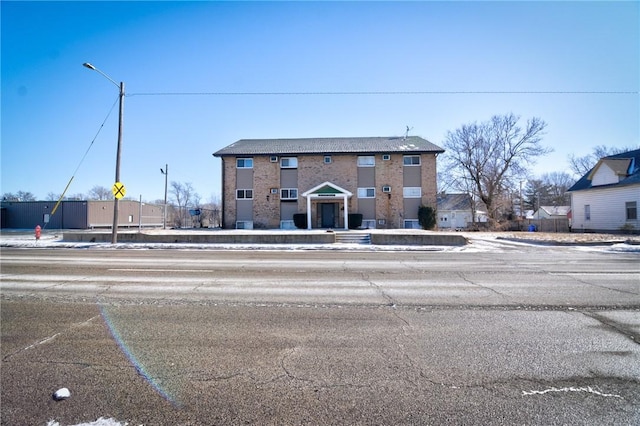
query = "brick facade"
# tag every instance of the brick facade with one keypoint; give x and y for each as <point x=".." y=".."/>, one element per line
<point x="312" y="170"/>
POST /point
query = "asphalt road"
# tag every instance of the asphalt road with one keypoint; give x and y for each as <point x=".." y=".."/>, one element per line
<point x="515" y="335"/>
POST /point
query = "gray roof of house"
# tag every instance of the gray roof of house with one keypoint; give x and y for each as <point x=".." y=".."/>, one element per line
<point x="410" y="144"/>
<point x="454" y="202"/>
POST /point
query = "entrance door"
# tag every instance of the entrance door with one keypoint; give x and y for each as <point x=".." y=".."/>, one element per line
<point x="328" y="215"/>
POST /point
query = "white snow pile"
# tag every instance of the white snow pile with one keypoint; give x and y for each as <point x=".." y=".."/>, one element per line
<point x="100" y="422"/>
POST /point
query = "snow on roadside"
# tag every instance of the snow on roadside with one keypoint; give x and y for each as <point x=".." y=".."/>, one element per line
<point x="479" y="242"/>
<point x="100" y="422"/>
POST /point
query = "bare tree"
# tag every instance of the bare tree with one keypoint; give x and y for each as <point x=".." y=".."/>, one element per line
<point x="492" y="154"/>
<point x="557" y="183"/>
<point x="100" y="193"/>
<point x="580" y="166"/>
<point x="183" y="197"/>
<point x="18" y="196"/>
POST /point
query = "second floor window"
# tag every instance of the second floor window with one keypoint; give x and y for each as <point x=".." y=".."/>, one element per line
<point x="289" y="162"/>
<point x="366" y="161"/>
<point x="244" y="163"/>
<point x="411" y="160"/>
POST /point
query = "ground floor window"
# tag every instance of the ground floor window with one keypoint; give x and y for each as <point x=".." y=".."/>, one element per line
<point x="587" y="212"/>
<point x="632" y="210"/>
<point x="287" y="224"/>
<point x="368" y="223"/>
<point x="244" y="224"/>
<point x="289" y="193"/>
<point x="411" y="224"/>
<point x="411" y="192"/>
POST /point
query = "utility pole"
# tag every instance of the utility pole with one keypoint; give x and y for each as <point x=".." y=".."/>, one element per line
<point x="165" y="172"/>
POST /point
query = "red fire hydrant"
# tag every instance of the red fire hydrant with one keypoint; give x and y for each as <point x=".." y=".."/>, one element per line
<point x="38" y="232"/>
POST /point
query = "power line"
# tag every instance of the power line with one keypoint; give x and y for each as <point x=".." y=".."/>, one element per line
<point x="400" y="92"/>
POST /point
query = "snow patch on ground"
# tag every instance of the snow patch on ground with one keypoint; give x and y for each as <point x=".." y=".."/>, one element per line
<point x="478" y="242"/>
<point x="100" y="422"/>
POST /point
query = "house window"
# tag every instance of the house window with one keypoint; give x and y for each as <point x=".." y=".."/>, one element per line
<point x="386" y="157"/>
<point x="411" y="192"/>
<point x="411" y="160"/>
<point x="289" y="163"/>
<point x="632" y="210"/>
<point x="289" y="194"/>
<point x="244" y="163"/>
<point x="366" y="193"/>
<point x="327" y="159"/>
<point x="244" y="224"/>
<point x="587" y="212"/>
<point x="366" y="161"/>
<point x="244" y="194"/>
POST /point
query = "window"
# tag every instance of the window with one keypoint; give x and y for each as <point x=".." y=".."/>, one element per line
<point x="289" y="163"/>
<point x="366" y="161"/>
<point x="386" y="189"/>
<point x="244" y="163"/>
<point x="368" y="224"/>
<point x="366" y="193"/>
<point x="289" y="194"/>
<point x="411" y="224"/>
<point x="411" y="160"/>
<point x="411" y="192"/>
<point x="273" y="159"/>
<point x="386" y="157"/>
<point x="244" y="224"/>
<point x="587" y="212"/>
<point x="327" y="159"/>
<point x="632" y="210"/>
<point x="244" y="194"/>
<point x="287" y="224"/>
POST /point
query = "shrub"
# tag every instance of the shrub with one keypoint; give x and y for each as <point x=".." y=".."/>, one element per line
<point x="427" y="217"/>
<point x="300" y="220"/>
<point x="355" y="220"/>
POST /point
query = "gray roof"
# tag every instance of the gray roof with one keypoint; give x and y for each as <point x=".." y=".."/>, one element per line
<point x="454" y="202"/>
<point x="410" y="144"/>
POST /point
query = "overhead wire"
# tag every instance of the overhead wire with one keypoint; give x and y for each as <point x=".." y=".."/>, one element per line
<point x="397" y="92"/>
<point x="82" y="159"/>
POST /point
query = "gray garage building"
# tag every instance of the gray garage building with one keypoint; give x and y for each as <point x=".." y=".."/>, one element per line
<point x="78" y="214"/>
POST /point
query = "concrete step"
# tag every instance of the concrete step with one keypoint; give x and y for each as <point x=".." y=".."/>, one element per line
<point x="353" y="238"/>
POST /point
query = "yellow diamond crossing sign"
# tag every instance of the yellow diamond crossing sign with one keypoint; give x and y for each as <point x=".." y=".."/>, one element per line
<point x="118" y="190"/>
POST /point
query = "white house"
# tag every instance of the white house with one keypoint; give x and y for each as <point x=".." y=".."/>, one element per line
<point x="455" y="211"/>
<point x="551" y="212"/>
<point x="606" y="199"/>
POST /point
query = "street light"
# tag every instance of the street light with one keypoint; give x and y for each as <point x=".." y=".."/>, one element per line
<point x="114" y="231"/>
<point x="165" y="172"/>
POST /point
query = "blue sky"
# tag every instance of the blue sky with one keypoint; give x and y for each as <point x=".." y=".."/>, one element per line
<point x="164" y="52"/>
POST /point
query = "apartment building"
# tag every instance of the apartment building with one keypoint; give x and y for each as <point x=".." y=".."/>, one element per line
<point x="384" y="179"/>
